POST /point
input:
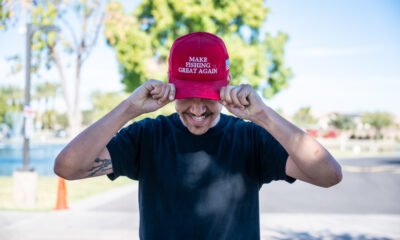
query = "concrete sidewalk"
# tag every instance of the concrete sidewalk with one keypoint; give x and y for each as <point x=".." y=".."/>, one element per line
<point x="83" y="221"/>
<point x="84" y="225"/>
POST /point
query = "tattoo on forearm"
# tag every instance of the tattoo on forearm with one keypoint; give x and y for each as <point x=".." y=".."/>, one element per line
<point x="101" y="166"/>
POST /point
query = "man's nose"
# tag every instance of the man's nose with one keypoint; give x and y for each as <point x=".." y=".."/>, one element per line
<point x="198" y="108"/>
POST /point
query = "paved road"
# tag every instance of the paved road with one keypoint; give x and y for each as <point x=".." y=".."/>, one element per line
<point x="369" y="186"/>
<point x="366" y="203"/>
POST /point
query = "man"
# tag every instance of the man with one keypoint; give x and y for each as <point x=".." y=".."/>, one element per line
<point x="199" y="171"/>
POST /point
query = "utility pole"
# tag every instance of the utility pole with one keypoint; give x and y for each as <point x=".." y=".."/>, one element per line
<point x="25" y="179"/>
<point x="28" y="121"/>
<point x="28" y="111"/>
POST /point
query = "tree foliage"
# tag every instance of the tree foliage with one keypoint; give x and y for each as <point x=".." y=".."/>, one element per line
<point x="143" y="38"/>
<point x="303" y="117"/>
<point x="80" y="22"/>
<point x="104" y="102"/>
<point x="11" y="100"/>
<point x="3" y="109"/>
<point x="5" y="13"/>
<point x="342" y="122"/>
<point x="378" y="120"/>
<point x="46" y="92"/>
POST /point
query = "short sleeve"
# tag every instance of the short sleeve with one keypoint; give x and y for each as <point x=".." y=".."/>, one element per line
<point x="272" y="157"/>
<point x="124" y="150"/>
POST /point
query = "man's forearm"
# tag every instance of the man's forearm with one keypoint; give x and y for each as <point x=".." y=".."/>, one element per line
<point x="309" y="155"/>
<point x="80" y="153"/>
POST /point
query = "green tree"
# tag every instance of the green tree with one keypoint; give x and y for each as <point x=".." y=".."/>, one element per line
<point x="378" y="120"/>
<point x="3" y="109"/>
<point x="11" y="101"/>
<point x="142" y="39"/>
<point x="104" y="102"/>
<point x="62" y="120"/>
<point x="342" y="122"/>
<point x="47" y="91"/>
<point x="13" y="96"/>
<point x="303" y="117"/>
<point x="5" y="13"/>
<point x="80" y="22"/>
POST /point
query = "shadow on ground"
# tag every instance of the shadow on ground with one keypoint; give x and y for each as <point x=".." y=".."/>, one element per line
<point x="391" y="162"/>
<point x="292" y="235"/>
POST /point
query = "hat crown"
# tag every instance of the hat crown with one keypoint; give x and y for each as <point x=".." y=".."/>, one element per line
<point x="198" y="58"/>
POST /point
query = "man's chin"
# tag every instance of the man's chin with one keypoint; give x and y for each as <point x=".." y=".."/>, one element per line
<point x="198" y="131"/>
<point x="197" y="127"/>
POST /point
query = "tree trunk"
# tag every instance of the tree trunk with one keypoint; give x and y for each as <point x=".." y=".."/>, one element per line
<point x="74" y="120"/>
<point x="73" y="113"/>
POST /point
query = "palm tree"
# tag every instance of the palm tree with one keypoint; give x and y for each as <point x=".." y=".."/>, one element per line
<point x="47" y="91"/>
<point x="13" y="96"/>
<point x="11" y="102"/>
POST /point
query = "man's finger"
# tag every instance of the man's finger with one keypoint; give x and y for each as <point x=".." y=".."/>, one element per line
<point x="222" y="95"/>
<point x="243" y="96"/>
<point x="233" y="94"/>
<point x="156" y="89"/>
<point x="171" y="91"/>
<point x="159" y="92"/>
<point x="150" y="85"/>
<point x="227" y="94"/>
<point x="165" y="94"/>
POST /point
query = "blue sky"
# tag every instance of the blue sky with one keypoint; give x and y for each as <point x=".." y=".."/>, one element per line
<point x="344" y="55"/>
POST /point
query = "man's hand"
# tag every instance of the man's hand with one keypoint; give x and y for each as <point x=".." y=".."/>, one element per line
<point x="151" y="96"/>
<point x="242" y="101"/>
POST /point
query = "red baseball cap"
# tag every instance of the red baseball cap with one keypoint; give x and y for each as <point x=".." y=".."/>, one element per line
<point x="198" y="66"/>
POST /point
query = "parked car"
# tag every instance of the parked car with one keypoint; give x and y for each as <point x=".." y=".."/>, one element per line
<point x="330" y="134"/>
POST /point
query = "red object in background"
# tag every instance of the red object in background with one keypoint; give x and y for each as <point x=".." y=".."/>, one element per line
<point x="312" y="132"/>
<point x="61" y="203"/>
<point x="330" y="134"/>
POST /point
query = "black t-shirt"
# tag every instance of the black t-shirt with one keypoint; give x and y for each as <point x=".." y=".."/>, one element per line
<point x="198" y="186"/>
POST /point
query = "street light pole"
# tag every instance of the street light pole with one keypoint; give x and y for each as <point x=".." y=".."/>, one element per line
<point x="28" y="112"/>
<point x="27" y="101"/>
<point x="25" y="179"/>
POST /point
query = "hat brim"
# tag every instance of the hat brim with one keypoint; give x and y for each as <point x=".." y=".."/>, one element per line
<point x="195" y="89"/>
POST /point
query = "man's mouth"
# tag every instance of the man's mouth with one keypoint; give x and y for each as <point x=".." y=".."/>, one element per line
<point x="199" y="119"/>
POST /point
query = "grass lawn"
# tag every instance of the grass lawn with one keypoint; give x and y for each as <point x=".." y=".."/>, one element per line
<point x="47" y="191"/>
